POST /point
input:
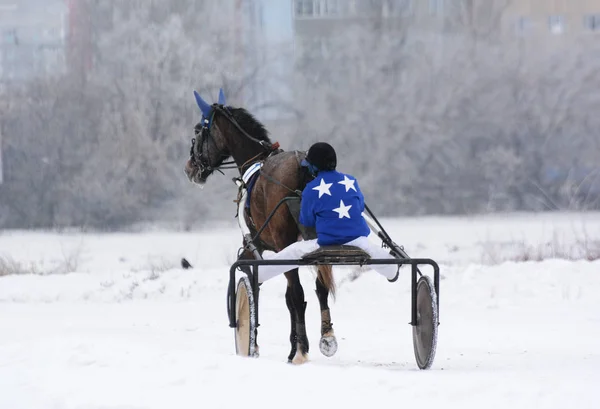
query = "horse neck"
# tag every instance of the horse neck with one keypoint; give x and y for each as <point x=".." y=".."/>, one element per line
<point x="244" y="151"/>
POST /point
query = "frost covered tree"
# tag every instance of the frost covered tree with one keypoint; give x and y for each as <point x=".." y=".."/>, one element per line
<point x="434" y="112"/>
<point x="456" y="114"/>
<point x="111" y="145"/>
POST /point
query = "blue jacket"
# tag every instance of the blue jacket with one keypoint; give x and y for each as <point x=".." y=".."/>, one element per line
<point x="333" y="203"/>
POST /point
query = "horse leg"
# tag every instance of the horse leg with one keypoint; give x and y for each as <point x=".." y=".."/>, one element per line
<point x="328" y="343"/>
<point x="293" y="337"/>
<point x="299" y="339"/>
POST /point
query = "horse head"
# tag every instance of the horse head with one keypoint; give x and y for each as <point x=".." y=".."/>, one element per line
<point x="223" y="132"/>
<point x="209" y="147"/>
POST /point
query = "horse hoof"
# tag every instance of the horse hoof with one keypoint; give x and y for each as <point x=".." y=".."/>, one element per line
<point x="300" y="358"/>
<point x="328" y="345"/>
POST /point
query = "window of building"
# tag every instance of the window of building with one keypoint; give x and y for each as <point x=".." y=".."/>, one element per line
<point x="523" y="25"/>
<point x="261" y="15"/>
<point x="592" y="22"/>
<point x="250" y="9"/>
<point x="304" y="8"/>
<point x="556" y="24"/>
<point x="397" y="8"/>
<point x="326" y="7"/>
<point x="317" y="8"/>
<point x="332" y="7"/>
<point x="10" y="36"/>
<point x="436" y="6"/>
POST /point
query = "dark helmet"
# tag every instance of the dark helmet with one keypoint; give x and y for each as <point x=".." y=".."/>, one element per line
<point x="322" y="156"/>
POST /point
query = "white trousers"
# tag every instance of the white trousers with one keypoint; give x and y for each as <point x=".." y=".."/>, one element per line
<point x="297" y="250"/>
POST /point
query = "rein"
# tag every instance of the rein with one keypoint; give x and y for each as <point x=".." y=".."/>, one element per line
<point x="265" y="144"/>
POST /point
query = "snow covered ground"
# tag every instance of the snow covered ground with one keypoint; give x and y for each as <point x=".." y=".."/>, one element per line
<point x="112" y="321"/>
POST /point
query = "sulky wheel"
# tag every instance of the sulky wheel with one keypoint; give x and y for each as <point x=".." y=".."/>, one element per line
<point x="245" y="312"/>
<point x="426" y="331"/>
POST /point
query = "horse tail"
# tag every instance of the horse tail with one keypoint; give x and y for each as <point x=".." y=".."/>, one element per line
<point x="325" y="276"/>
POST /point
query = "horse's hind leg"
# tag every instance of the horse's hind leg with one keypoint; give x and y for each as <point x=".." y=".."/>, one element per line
<point x="293" y="337"/>
<point x="328" y="343"/>
<point x="294" y="298"/>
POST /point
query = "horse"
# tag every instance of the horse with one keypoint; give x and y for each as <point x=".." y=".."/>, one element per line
<point x="232" y="132"/>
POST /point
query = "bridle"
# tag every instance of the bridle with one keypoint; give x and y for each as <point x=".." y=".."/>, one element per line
<point x="201" y="157"/>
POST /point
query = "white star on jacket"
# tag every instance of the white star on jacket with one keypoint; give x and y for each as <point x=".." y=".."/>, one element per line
<point x="348" y="183"/>
<point x="323" y="188"/>
<point x="342" y="211"/>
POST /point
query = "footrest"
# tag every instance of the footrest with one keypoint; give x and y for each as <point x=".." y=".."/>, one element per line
<point x="337" y="255"/>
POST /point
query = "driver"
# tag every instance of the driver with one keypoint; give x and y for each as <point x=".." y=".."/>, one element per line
<point x="333" y="204"/>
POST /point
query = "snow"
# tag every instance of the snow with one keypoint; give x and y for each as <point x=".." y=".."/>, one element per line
<point x="128" y="328"/>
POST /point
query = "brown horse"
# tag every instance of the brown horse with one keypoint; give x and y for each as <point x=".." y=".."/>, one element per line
<point x="226" y="132"/>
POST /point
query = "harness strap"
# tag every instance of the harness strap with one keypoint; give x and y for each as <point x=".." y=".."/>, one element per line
<point x="277" y="182"/>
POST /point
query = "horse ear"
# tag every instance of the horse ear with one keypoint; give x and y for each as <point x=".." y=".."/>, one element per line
<point x="221" y="100"/>
<point x="202" y="104"/>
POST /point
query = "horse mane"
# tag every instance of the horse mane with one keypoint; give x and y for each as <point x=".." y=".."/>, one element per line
<point x="249" y="123"/>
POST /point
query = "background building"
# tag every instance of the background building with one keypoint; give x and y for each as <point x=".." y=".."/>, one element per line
<point x="268" y="42"/>
<point x="556" y="17"/>
<point x="32" y="44"/>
